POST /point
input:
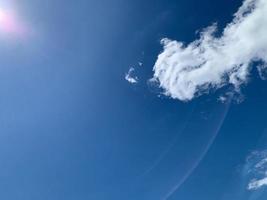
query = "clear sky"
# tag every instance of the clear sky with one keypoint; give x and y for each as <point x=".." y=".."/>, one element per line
<point x="72" y="127"/>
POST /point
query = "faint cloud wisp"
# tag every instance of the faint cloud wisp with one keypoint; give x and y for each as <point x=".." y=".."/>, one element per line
<point x="129" y="76"/>
<point x="257" y="163"/>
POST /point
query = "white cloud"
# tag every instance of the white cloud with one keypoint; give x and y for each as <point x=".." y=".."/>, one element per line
<point x="262" y="69"/>
<point x="187" y="71"/>
<point x="256" y="184"/>
<point x="222" y="99"/>
<point x="257" y="163"/>
<point x="129" y="76"/>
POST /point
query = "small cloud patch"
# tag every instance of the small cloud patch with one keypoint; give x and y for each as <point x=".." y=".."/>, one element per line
<point x="130" y="77"/>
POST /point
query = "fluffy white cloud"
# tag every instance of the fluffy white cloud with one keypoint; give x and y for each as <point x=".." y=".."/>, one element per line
<point x="187" y="71"/>
<point x="129" y="76"/>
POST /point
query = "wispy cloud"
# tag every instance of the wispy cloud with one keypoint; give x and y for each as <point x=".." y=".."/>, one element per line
<point x="257" y="163"/>
<point x="187" y="71"/>
<point x="262" y="69"/>
<point x="256" y="184"/>
<point x="129" y="76"/>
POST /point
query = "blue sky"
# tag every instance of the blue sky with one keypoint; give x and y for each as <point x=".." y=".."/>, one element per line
<point x="72" y="127"/>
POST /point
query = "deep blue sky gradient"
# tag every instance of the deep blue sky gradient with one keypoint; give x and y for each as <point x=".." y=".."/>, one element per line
<point x="71" y="127"/>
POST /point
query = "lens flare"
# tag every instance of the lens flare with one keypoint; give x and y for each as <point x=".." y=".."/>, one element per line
<point x="10" y="23"/>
